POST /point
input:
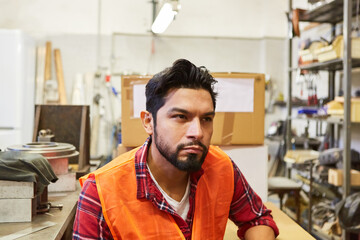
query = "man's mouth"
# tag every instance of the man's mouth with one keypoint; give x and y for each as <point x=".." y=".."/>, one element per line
<point x="195" y="149"/>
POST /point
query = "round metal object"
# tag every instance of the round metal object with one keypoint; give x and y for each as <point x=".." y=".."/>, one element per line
<point x="50" y="150"/>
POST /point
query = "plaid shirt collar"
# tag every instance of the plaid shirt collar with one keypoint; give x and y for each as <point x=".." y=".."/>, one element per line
<point x="146" y="187"/>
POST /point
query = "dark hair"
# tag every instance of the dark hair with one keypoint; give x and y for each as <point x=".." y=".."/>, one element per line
<point x="182" y="74"/>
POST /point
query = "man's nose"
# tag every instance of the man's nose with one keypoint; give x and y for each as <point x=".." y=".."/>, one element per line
<point x="195" y="129"/>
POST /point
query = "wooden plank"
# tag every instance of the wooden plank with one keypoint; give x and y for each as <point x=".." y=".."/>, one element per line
<point x="40" y="71"/>
<point x="36" y="122"/>
<point x="95" y="134"/>
<point x="47" y="73"/>
<point x="60" y="77"/>
<point x="82" y="160"/>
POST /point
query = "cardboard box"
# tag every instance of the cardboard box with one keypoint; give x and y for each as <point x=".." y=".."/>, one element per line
<point x="246" y="128"/>
<point x="355" y="108"/>
<point x="335" y="177"/>
<point x="336" y="49"/>
<point x="132" y="131"/>
<point x="121" y="149"/>
<point x="230" y="128"/>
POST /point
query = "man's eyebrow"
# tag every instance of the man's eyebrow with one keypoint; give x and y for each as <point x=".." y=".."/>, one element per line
<point x="175" y="109"/>
<point x="212" y="113"/>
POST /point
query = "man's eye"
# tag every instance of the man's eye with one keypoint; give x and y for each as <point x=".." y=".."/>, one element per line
<point x="207" y="119"/>
<point x="180" y="116"/>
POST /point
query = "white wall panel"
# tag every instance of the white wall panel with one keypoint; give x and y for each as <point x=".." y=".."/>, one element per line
<point x="237" y="18"/>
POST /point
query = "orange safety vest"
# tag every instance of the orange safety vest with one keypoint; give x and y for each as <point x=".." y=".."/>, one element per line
<point x="132" y="218"/>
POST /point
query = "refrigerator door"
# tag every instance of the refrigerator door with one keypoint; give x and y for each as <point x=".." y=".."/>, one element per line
<point x="17" y="87"/>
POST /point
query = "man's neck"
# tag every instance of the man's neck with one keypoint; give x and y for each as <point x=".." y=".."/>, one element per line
<point x="172" y="180"/>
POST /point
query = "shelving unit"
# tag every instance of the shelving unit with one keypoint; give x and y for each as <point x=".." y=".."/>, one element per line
<point x="332" y="65"/>
<point x="333" y="13"/>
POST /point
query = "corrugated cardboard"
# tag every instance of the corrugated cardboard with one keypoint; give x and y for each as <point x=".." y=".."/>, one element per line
<point x="132" y="131"/>
<point x="242" y="127"/>
<point x="335" y="177"/>
<point x="122" y="149"/>
<point x="230" y="128"/>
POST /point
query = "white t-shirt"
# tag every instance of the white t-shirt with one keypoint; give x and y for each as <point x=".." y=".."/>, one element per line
<point x="182" y="207"/>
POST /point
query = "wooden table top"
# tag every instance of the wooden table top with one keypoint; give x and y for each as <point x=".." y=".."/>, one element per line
<point x="288" y="228"/>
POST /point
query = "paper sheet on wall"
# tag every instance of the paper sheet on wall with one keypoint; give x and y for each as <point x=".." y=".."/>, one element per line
<point x="235" y="95"/>
<point x="139" y="98"/>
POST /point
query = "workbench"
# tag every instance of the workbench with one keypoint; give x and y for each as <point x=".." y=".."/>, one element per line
<point x="63" y="220"/>
<point x="51" y="225"/>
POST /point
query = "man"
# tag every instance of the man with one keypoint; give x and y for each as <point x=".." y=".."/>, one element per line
<point x="176" y="186"/>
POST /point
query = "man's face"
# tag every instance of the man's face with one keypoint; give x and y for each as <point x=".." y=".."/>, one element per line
<point x="184" y="128"/>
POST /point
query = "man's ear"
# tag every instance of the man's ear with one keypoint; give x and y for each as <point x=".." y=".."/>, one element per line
<point x="147" y="121"/>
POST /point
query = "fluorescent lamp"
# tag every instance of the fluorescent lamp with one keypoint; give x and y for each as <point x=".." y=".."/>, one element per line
<point x="164" y="18"/>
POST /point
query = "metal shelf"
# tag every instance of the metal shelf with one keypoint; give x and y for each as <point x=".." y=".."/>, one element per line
<point x="332" y="120"/>
<point x="331" y="12"/>
<point x="332" y="65"/>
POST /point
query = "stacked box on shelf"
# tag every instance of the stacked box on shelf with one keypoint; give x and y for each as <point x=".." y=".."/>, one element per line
<point x="308" y="55"/>
<point x="354" y="109"/>
<point x="17" y="201"/>
<point x="336" y="49"/>
<point x="336" y="177"/>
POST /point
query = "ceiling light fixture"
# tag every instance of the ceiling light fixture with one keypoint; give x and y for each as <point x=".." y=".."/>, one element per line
<point x="166" y="15"/>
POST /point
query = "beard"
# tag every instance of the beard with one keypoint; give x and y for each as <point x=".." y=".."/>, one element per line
<point x="191" y="163"/>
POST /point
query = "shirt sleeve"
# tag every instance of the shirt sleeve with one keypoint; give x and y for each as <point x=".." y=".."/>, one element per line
<point x="89" y="220"/>
<point x="247" y="209"/>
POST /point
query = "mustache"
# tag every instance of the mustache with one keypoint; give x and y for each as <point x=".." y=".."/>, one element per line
<point x="194" y="143"/>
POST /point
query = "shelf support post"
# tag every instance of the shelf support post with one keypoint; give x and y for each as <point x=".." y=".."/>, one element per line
<point x="347" y="64"/>
<point x="289" y="104"/>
